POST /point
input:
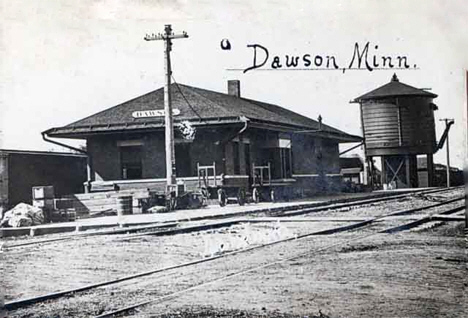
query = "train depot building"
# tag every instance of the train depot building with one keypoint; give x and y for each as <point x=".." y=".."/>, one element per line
<point x="221" y="140"/>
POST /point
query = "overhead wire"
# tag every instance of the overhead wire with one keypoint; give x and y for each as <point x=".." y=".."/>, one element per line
<point x="186" y="100"/>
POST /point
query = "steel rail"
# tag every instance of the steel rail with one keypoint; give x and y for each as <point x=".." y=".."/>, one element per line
<point x="423" y="220"/>
<point x="256" y="268"/>
<point x="344" y="205"/>
<point x="29" y="301"/>
<point x="334" y="204"/>
<point x="96" y="233"/>
<point x="203" y="227"/>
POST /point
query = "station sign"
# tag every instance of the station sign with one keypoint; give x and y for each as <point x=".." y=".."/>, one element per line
<point x="153" y="113"/>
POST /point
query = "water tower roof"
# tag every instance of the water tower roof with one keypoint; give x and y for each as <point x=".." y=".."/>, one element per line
<point x="394" y="88"/>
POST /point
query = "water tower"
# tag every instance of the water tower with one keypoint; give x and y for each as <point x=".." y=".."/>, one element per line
<point x="398" y="124"/>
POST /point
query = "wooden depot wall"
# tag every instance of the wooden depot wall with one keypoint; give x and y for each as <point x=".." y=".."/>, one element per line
<point x="314" y="159"/>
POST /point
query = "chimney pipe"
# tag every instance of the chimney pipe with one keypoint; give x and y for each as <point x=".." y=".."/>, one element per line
<point x="234" y="88"/>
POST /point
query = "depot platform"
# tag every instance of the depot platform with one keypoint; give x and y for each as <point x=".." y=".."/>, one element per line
<point x="209" y="212"/>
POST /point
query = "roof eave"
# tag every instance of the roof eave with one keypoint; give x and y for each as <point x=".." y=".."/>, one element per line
<point x="82" y="132"/>
<point x="368" y="96"/>
<point x="339" y="136"/>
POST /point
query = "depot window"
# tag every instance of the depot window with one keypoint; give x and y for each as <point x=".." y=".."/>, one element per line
<point x="280" y="158"/>
<point x="131" y="162"/>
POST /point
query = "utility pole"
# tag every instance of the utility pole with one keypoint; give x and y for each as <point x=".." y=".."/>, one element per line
<point x="448" y="122"/>
<point x="168" y="123"/>
<point x="465" y="171"/>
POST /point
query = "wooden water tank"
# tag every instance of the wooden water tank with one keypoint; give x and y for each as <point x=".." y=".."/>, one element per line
<point x="398" y="119"/>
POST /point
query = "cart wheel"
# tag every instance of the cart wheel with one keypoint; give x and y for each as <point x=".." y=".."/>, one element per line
<point x="272" y="195"/>
<point x="171" y="201"/>
<point x="241" y="196"/>
<point x="222" y="199"/>
<point x="256" y="195"/>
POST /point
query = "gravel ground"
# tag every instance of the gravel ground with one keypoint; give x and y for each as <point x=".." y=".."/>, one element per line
<point x="420" y="274"/>
<point x="347" y="281"/>
<point x="379" y="208"/>
<point x="112" y="297"/>
<point x="36" y="270"/>
<point x="57" y="266"/>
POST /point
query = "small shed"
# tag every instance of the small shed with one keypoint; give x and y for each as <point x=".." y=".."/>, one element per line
<point x="21" y="170"/>
<point x="440" y="175"/>
<point x="351" y="169"/>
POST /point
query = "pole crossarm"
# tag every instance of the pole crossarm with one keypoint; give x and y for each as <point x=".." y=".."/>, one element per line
<point x="448" y="122"/>
<point x="159" y="36"/>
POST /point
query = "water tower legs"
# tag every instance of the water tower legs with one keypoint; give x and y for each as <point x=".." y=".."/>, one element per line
<point x="399" y="171"/>
<point x="430" y="170"/>
<point x="412" y="171"/>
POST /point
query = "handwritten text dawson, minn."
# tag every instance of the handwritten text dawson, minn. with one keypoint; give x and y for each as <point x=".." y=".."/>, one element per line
<point x="362" y="58"/>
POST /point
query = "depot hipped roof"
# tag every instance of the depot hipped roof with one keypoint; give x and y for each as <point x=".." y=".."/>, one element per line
<point x="199" y="106"/>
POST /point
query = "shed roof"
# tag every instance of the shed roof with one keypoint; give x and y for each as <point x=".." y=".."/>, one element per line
<point x="351" y="162"/>
<point x="199" y="106"/>
<point x="394" y="88"/>
<point x="40" y="153"/>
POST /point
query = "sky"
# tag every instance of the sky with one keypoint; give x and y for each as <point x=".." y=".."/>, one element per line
<point x="65" y="60"/>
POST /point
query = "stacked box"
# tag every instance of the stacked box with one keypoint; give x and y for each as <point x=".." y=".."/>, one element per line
<point x="42" y="192"/>
<point x="43" y="197"/>
<point x="44" y="204"/>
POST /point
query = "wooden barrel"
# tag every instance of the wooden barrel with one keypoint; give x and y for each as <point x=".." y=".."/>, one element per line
<point x="124" y="205"/>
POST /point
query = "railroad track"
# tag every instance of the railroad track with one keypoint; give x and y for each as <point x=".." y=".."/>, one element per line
<point x="357" y="225"/>
<point x="406" y="226"/>
<point x="171" y="228"/>
<point x="127" y="309"/>
<point x="77" y="236"/>
<point x="401" y="227"/>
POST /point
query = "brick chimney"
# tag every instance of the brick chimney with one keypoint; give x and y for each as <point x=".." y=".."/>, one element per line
<point x="234" y="88"/>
